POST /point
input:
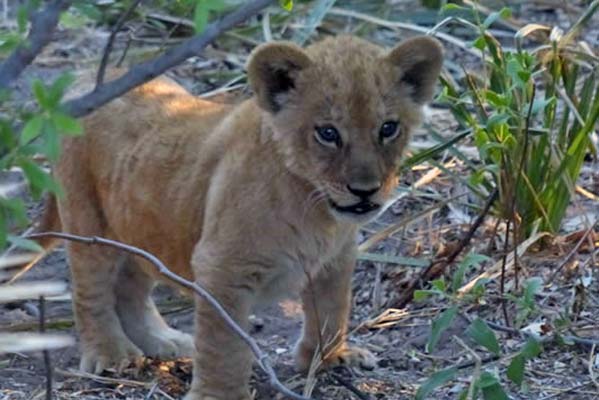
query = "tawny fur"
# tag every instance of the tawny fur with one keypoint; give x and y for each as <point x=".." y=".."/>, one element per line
<point x="237" y="198"/>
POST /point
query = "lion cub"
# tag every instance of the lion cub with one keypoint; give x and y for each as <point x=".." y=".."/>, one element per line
<point x="249" y="201"/>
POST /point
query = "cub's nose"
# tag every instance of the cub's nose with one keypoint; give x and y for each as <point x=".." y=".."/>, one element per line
<point x="363" y="191"/>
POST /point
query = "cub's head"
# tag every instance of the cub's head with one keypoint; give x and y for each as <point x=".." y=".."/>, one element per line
<point x="341" y="112"/>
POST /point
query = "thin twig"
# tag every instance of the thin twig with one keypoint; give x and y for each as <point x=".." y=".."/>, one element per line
<point x="408" y="293"/>
<point x="145" y="71"/>
<point x="348" y="385"/>
<point x="46" y="352"/>
<point x="571" y="253"/>
<point x="406" y="26"/>
<point x="477" y="366"/>
<point x="43" y="23"/>
<point x="319" y="356"/>
<point x="512" y="216"/>
<point x="103" y="379"/>
<point x="506" y="243"/>
<point x="561" y="392"/>
<point x="261" y="357"/>
<point x="585" y="342"/>
<point x="483" y="361"/>
<point x="521" y="171"/>
<point x="151" y="392"/>
<point x="109" y="44"/>
<point x="592" y="366"/>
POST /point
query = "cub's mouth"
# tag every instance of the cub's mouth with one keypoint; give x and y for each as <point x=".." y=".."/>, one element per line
<point x="363" y="207"/>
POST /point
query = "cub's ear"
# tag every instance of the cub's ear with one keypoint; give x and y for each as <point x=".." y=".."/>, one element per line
<point x="272" y="72"/>
<point x="419" y="61"/>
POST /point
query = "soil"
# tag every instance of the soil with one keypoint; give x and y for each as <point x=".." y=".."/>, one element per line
<point x="564" y="369"/>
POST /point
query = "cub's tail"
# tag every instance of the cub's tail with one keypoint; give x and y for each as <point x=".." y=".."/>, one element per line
<point x="49" y="221"/>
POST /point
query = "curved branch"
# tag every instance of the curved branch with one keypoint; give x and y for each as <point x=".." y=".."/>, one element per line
<point x="261" y="357"/>
<point x="143" y="72"/>
<point x="43" y="23"/>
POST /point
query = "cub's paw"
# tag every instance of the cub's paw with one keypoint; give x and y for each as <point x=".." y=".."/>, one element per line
<point x="167" y="344"/>
<point x="352" y="356"/>
<point x="114" y="355"/>
<point x="342" y="355"/>
<point x="194" y="395"/>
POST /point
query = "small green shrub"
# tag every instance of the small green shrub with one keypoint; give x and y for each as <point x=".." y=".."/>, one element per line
<point x="531" y="114"/>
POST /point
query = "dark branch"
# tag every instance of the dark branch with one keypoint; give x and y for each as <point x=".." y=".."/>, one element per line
<point x="108" y="49"/>
<point x="143" y="72"/>
<point x="43" y="23"/>
<point x="261" y="357"/>
<point x="425" y="275"/>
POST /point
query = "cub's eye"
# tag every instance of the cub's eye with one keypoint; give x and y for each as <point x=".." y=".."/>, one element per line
<point x="389" y="130"/>
<point x="328" y="135"/>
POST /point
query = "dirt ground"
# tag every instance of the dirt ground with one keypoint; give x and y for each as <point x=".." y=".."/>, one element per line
<point x="563" y="370"/>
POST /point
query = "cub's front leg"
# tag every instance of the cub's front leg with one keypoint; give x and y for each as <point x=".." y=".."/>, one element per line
<point x="327" y="302"/>
<point x="222" y="362"/>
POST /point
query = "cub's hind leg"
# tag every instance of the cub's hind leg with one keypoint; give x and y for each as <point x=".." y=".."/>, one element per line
<point x="103" y="341"/>
<point x="93" y="269"/>
<point x="140" y="318"/>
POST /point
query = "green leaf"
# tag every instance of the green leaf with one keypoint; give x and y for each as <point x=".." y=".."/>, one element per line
<point x="531" y="349"/>
<point x="200" y="17"/>
<point x="66" y="124"/>
<point x="484" y="336"/>
<point x="479" y="287"/>
<point x="9" y="42"/>
<point x="51" y="143"/>
<point x="431" y="152"/>
<point x="479" y="43"/>
<point x="437" y="379"/>
<point x="286" y="4"/>
<point x="491" y="387"/>
<point x="17" y="210"/>
<point x="515" y="371"/>
<point x="439" y="284"/>
<point x="496" y="99"/>
<point x="453" y="7"/>
<point x="70" y="20"/>
<point x="497" y="119"/>
<point x="504" y="13"/>
<point x="540" y="104"/>
<point x="25" y="244"/>
<point x="58" y="87"/>
<point x="22" y="17"/>
<point x="530" y="290"/>
<point x="88" y="9"/>
<point x="420" y="295"/>
<point x="439" y="325"/>
<point x="32" y="129"/>
<point x="470" y="260"/>
<point x="38" y="179"/>
<point x="202" y="12"/>
<point x="39" y="91"/>
<point x="7" y="139"/>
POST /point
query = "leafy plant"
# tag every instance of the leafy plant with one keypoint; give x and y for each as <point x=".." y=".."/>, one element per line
<point x="485" y="383"/>
<point x="449" y="293"/>
<point x="531" y="113"/>
<point x="526" y="304"/>
<point x="39" y="134"/>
